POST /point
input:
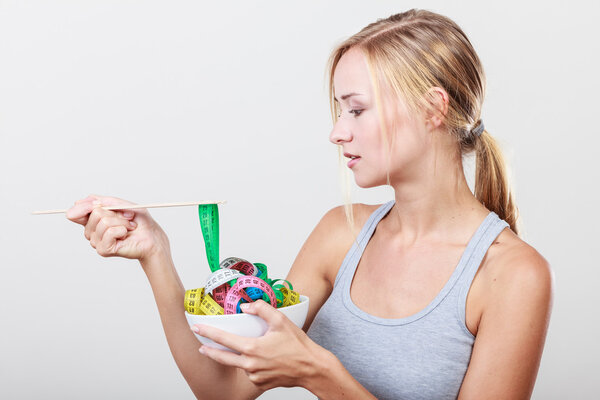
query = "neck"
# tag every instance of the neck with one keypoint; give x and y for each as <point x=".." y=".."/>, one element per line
<point x="434" y="207"/>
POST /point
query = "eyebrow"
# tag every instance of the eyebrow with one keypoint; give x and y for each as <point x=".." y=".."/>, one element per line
<point x="345" y="96"/>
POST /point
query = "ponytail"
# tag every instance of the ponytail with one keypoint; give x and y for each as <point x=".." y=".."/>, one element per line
<point x="492" y="187"/>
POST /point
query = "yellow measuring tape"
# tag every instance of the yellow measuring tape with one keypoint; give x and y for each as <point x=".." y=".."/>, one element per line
<point x="234" y="281"/>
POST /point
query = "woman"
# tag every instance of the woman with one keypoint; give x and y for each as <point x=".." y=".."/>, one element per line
<point x="435" y="296"/>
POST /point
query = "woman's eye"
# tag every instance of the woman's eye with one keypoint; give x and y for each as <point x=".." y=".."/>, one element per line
<point x="356" y="112"/>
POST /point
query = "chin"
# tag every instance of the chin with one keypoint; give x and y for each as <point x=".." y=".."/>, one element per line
<point x="369" y="183"/>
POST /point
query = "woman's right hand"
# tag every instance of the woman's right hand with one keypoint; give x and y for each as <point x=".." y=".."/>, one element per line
<point x="123" y="233"/>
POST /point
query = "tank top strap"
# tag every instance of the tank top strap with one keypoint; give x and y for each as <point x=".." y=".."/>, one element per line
<point x="489" y="230"/>
<point x="363" y="237"/>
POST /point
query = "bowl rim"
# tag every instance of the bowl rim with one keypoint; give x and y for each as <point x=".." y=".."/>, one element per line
<point x="303" y="299"/>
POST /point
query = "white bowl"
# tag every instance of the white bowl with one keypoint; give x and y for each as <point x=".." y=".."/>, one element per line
<point x="246" y="324"/>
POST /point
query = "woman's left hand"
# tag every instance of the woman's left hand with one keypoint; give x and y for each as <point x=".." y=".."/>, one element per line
<point x="283" y="356"/>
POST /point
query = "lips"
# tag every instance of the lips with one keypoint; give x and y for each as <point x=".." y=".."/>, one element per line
<point x="353" y="159"/>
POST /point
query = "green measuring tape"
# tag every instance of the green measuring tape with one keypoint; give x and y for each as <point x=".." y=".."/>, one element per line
<point x="209" y="222"/>
<point x="251" y="282"/>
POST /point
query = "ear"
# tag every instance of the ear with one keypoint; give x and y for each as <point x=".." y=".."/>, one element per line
<point x="436" y="107"/>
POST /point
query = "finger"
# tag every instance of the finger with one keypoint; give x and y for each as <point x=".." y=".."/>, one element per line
<point x="111" y="221"/>
<point x="94" y="218"/>
<point x="223" y="356"/>
<point x="264" y="310"/>
<point x="108" y="246"/>
<point x="89" y="198"/>
<point x="79" y="213"/>
<point x="112" y="201"/>
<point x="127" y="214"/>
<point x="240" y="344"/>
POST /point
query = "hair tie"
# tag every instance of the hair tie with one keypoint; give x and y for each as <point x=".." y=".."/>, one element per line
<point x="478" y="130"/>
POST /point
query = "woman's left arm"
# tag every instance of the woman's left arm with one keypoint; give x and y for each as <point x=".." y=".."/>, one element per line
<point x="284" y="357"/>
<point x="512" y="330"/>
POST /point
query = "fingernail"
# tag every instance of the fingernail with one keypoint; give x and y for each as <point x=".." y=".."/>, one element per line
<point x="195" y="329"/>
<point x="201" y="350"/>
<point x="132" y="224"/>
<point x="128" y="214"/>
<point x="245" y="307"/>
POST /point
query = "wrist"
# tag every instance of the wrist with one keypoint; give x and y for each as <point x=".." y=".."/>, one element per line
<point x="333" y="381"/>
<point x="161" y="273"/>
<point x="158" y="256"/>
<point x="325" y="372"/>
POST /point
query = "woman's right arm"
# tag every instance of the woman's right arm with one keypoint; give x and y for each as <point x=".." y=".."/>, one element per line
<point x="111" y="234"/>
<point x="207" y="378"/>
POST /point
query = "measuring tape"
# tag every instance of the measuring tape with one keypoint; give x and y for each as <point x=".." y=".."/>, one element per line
<point x="220" y="277"/>
<point x="235" y="294"/>
<point x="209" y="222"/>
<point x="234" y="281"/>
<point x="193" y="298"/>
<point x="239" y="264"/>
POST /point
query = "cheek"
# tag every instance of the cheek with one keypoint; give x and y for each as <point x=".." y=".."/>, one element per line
<point x="407" y="153"/>
<point x="374" y="134"/>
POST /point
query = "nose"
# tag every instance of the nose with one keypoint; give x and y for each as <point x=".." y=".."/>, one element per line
<point x="340" y="133"/>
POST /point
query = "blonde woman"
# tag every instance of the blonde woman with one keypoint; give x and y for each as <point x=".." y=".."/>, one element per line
<point x="432" y="296"/>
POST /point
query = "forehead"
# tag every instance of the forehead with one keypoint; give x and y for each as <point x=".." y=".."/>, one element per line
<point x="352" y="74"/>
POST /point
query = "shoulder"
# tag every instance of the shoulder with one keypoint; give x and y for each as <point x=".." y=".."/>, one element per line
<point x="514" y="272"/>
<point x="514" y="260"/>
<point x="333" y="236"/>
<point x="316" y="266"/>
<point x="336" y="217"/>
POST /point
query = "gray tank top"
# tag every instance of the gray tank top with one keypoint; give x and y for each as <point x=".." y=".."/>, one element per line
<point x="422" y="356"/>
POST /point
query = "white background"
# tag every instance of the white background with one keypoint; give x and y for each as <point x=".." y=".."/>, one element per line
<point x="161" y="101"/>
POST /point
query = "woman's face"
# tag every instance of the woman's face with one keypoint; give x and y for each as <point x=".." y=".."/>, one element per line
<point x="358" y="129"/>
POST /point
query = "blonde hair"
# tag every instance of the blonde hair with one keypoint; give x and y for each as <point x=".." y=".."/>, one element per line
<point x="411" y="52"/>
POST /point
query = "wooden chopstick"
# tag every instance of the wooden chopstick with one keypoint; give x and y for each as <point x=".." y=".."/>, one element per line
<point x="135" y="206"/>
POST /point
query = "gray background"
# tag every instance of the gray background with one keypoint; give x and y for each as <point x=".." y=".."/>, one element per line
<point x="186" y="100"/>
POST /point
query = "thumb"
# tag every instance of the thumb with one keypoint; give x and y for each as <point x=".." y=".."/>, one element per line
<point x="264" y="310"/>
<point x="106" y="201"/>
<point x="112" y="201"/>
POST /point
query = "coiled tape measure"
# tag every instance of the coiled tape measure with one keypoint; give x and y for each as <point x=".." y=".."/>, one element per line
<point x="233" y="281"/>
